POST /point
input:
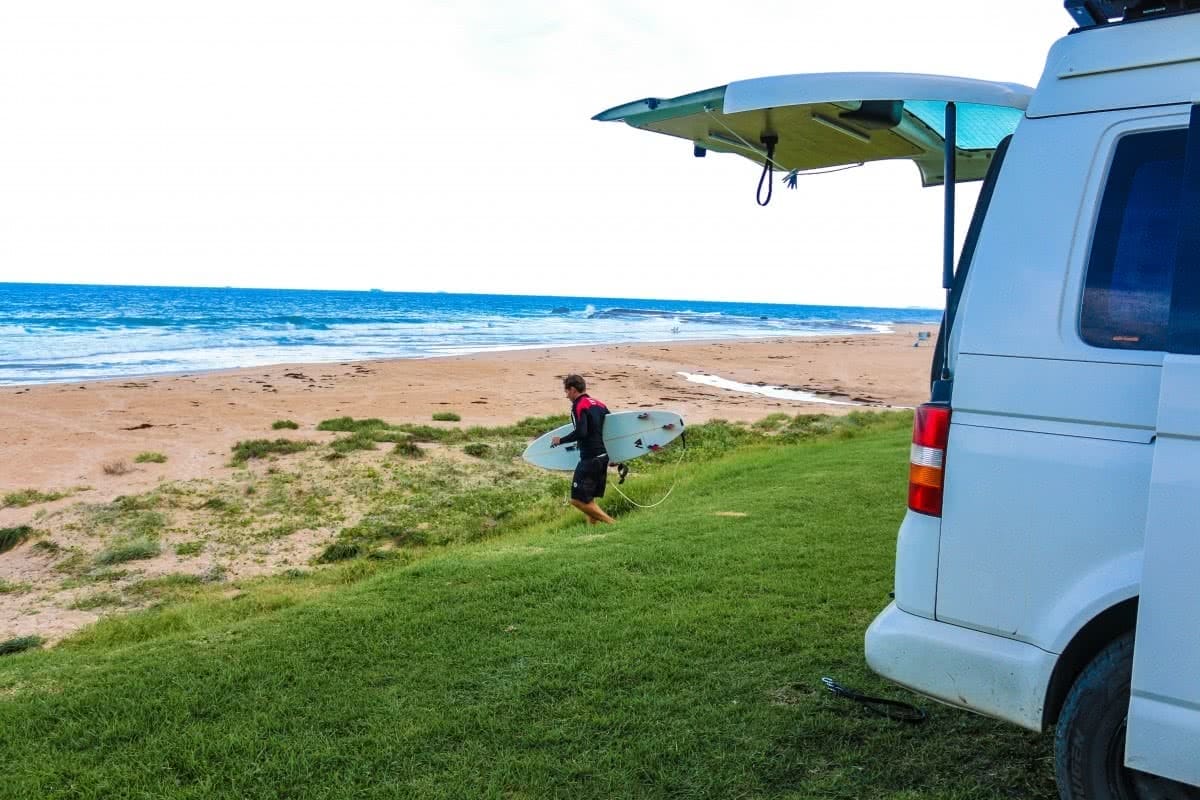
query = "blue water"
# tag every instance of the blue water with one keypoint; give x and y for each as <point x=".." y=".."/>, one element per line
<point x="51" y="333"/>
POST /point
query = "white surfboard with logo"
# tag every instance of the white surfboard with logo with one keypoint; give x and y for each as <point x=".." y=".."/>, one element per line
<point x="627" y="435"/>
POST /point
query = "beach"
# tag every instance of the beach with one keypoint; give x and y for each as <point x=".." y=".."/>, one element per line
<point x="58" y="435"/>
<point x="82" y="441"/>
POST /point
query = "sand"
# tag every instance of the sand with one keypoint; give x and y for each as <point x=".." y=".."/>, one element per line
<point x="61" y="437"/>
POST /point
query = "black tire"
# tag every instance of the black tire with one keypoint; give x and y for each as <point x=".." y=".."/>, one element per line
<point x="1089" y="744"/>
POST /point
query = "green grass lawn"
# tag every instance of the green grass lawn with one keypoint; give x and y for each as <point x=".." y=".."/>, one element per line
<point x="677" y="654"/>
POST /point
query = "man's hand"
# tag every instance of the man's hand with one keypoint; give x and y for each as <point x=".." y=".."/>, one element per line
<point x="556" y="441"/>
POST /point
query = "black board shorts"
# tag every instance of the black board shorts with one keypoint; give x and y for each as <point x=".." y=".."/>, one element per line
<point x="591" y="476"/>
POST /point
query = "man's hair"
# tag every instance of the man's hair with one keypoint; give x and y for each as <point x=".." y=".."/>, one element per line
<point x="575" y="382"/>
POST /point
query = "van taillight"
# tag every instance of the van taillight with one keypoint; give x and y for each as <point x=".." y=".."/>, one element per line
<point x="927" y="464"/>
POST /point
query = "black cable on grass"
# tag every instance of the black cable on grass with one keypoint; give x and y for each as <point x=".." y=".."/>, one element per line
<point x="892" y="709"/>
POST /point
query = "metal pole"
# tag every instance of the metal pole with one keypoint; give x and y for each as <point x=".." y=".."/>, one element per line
<point x="950" y="171"/>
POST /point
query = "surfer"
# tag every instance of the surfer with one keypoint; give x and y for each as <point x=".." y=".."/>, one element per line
<point x="592" y="471"/>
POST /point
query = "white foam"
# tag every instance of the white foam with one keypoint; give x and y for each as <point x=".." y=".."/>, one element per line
<point x="777" y="392"/>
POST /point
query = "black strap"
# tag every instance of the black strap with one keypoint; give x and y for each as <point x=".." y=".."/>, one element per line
<point x="768" y="173"/>
<point x="892" y="709"/>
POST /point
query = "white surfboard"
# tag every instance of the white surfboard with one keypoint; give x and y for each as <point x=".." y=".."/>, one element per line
<point x="627" y="435"/>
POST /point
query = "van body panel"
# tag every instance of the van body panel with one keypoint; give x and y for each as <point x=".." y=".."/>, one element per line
<point x="1109" y="68"/>
<point x="1164" y="710"/>
<point x="988" y="674"/>
<point x="1084" y="398"/>
<point x="917" y="563"/>
<point x="1085" y="596"/>
<point x="1077" y="502"/>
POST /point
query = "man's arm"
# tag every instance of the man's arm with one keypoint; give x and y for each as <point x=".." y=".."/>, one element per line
<point x="581" y="430"/>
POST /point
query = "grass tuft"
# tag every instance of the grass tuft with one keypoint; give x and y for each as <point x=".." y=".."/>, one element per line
<point x="362" y="440"/>
<point x="135" y="549"/>
<point x="187" y="549"/>
<point x="341" y="551"/>
<point x="409" y="449"/>
<point x="97" y="600"/>
<point x="477" y="449"/>
<point x="11" y="537"/>
<point x="446" y="416"/>
<point x="261" y="448"/>
<point x="351" y="425"/>
<point x="149" y="457"/>
<point x="284" y="425"/>
<point x="27" y="497"/>
<point x="20" y="644"/>
<point x="118" y="467"/>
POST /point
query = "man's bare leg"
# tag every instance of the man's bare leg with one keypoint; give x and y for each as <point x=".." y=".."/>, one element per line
<point x="593" y="512"/>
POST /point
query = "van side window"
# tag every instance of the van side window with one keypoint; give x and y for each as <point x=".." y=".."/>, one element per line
<point x="1127" y="296"/>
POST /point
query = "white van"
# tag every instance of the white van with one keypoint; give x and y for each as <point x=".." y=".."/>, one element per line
<point x="1048" y="567"/>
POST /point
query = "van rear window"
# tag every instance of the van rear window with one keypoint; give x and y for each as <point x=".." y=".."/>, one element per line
<point x="1127" y="296"/>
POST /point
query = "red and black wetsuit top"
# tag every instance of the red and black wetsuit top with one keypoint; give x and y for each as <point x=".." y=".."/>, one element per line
<point x="588" y="416"/>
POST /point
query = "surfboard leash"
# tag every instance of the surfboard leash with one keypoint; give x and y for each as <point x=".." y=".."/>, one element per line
<point x="674" y="479"/>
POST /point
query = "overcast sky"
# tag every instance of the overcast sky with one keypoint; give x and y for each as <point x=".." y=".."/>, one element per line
<point x="448" y="146"/>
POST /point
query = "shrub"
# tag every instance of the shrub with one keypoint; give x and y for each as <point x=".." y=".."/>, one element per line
<point x="118" y="467"/>
<point x="129" y="550"/>
<point x="13" y="588"/>
<point x="11" y="537"/>
<point x="149" y="457"/>
<point x="446" y="416"/>
<point x="261" y="448"/>
<point x="48" y="546"/>
<point x="477" y="449"/>
<point x="20" y="644"/>
<point x="284" y="424"/>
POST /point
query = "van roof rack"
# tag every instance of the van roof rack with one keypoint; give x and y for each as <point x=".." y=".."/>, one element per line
<point x="1095" y="13"/>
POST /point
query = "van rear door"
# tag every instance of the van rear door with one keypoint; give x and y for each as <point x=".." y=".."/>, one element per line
<point x="816" y="121"/>
<point x="1163" y="734"/>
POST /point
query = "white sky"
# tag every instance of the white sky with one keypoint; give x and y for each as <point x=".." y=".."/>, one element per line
<point x="448" y="146"/>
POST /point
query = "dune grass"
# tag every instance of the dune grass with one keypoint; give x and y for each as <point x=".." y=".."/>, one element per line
<point x="446" y="416"/>
<point x="676" y="654"/>
<point x="262" y="448"/>
<point x="13" y="536"/>
<point x="284" y="425"/>
<point x="28" y="497"/>
<point x="132" y="549"/>
<point x="149" y="457"/>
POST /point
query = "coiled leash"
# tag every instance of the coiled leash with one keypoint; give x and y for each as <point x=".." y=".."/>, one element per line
<point x="892" y="709"/>
<point x="623" y="472"/>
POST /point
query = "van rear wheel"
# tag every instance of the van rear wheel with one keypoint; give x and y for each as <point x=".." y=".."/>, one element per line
<point x="1089" y="744"/>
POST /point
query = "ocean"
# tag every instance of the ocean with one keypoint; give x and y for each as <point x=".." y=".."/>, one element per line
<point x="54" y="333"/>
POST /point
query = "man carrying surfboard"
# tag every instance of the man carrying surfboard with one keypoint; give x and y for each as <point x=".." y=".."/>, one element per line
<point x="591" y="473"/>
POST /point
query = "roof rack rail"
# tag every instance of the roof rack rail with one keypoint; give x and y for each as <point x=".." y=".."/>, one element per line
<point x="1094" y="13"/>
